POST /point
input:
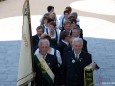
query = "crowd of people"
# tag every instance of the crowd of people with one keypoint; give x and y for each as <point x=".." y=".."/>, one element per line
<point x="61" y="44"/>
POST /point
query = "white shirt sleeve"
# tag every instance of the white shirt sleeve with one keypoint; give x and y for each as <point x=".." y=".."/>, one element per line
<point x="57" y="23"/>
<point x="78" y="21"/>
<point x="58" y="34"/>
<point x="58" y="57"/>
<point x="36" y="52"/>
<point x="60" y="18"/>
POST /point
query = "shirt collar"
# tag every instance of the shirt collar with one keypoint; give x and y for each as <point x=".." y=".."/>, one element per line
<point x="38" y="52"/>
<point x="44" y="56"/>
<point x="38" y="37"/>
<point x="45" y="26"/>
<point x="65" y="42"/>
<point x="77" y="54"/>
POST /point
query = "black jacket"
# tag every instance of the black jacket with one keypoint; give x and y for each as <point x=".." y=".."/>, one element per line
<point x="35" y="41"/>
<point x="73" y="70"/>
<point x="51" y="60"/>
<point x="84" y="45"/>
<point x="61" y="47"/>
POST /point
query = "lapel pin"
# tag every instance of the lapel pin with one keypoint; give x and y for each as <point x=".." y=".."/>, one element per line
<point x="73" y="61"/>
<point x="80" y="59"/>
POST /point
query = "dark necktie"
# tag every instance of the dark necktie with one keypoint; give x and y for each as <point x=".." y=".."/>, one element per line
<point x="76" y="57"/>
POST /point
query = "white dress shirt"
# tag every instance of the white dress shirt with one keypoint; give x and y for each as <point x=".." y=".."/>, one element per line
<point x="52" y="53"/>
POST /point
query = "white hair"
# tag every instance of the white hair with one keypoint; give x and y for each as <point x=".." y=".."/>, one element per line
<point x="43" y="40"/>
<point x="77" y="40"/>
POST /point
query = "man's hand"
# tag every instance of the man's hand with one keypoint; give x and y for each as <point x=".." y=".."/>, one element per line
<point x="95" y="66"/>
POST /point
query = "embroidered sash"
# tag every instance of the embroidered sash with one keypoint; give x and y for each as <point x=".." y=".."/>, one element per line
<point x="46" y="71"/>
<point x="88" y="76"/>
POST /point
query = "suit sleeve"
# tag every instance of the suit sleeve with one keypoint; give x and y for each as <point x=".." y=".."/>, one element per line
<point x="63" y="70"/>
<point x="55" y="69"/>
<point x="89" y="59"/>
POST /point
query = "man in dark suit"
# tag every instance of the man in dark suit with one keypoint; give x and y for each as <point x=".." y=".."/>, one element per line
<point x="35" y="38"/>
<point x="76" y="33"/>
<point x="74" y="63"/>
<point x="69" y="48"/>
<point x="51" y="61"/>
<point x="64" y="42"/>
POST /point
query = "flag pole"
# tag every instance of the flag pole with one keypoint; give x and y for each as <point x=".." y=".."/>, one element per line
<point x="32" y="53"/>
<point x="26" y="61"/>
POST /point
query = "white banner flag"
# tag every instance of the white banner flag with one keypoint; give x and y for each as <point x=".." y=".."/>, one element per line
<point x="25" y="73"/>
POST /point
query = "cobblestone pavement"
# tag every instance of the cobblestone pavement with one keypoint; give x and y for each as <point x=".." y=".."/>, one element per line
<point x="98" y="28"/>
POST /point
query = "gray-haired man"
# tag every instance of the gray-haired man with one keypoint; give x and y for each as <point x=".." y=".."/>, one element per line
<point x="46" y="65"/>
<point x="74" y="63"/>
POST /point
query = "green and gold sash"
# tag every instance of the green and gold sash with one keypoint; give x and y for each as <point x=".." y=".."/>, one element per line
<point x="46" y="71"/>
<point x="88" y="76"/>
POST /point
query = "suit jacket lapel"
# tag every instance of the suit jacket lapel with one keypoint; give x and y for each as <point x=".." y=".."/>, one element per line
<point x="81" y="56"/>
<point x="47" y="58"/>
<point x="73" y="55"/>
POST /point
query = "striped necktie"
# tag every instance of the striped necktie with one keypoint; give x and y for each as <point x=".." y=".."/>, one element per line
<point x="76" y="57"/>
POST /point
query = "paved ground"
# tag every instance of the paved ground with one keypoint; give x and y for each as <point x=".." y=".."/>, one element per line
<point x="98" y="27"/>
